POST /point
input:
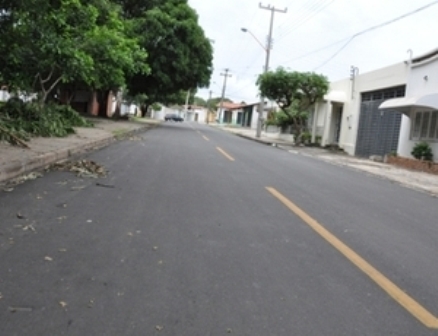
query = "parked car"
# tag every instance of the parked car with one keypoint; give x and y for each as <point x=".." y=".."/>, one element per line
<point x="173" y="117"/>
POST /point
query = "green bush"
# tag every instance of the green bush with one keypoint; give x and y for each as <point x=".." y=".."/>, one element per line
<point x="306" y="137"/>
<point x="25" y="120"/>
<point x="422" y="151"/>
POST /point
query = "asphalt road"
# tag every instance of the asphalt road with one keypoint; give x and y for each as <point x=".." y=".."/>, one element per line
<point x="200" y="232"/>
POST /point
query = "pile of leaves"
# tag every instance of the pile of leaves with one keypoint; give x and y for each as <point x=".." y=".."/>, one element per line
<point x="19" y="121"/>
<point x="82" y="168"/>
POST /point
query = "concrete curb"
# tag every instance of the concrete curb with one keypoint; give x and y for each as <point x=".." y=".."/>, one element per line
<point x="262" y="141"/>
<point x="253" y="139"/>
<point x="27" y="165"/>
<point x="394" y="179"/>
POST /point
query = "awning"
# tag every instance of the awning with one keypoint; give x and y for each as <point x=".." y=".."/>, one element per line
<point x="407" y="103"/>
<point x="336" y="96"/>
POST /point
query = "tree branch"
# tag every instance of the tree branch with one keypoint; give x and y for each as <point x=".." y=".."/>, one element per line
<point x="43" y="81"/>
<point x="54" y="84"/>
<point x="14" y="138"/>
<point x="46" y="92"/>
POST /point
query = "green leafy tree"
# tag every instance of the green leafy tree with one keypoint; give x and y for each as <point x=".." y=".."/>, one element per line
<point x="114" y="48"/>
<point x="214" y="102"/>
<point x="38" y="50"/>
<point x="199" y="101"/>
<point x="179" y="54"/>
<point x="116" y="52"/>
<point x="47" y="44"/>
<point x="295" y="93"/>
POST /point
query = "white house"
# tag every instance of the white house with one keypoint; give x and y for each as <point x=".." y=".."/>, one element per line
<point x="244" y="115"/>
<point x="349" y="116"/>
<point x="196" y="113"/>
<point x="230" y="113"/>
<point x="159" y="115"/>
<point x="4" y="94"/>
<point x="128" y="109"/>
<point x="419" y="106"/>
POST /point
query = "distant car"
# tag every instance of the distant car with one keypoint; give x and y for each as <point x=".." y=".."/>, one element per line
<point x="173" y="117"/>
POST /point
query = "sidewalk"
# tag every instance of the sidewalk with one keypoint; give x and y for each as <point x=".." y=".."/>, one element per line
<point x="412" y="179"/>
<point x="16" y="161"/>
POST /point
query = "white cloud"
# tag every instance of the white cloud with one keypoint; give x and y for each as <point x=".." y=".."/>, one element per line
<point x="308" y="26"/>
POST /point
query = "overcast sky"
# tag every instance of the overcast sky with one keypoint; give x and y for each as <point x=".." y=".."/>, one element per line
<point x="307" y="26"/>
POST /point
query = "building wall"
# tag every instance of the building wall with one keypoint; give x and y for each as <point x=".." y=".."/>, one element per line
<point x="318" y="120"/>
<point x="255" y="116"/>
<point x="422" y="80"/>
<point x="4" y="95"/>
<point x="128" y="109"/>
<point x="202" y="115"/>
<point x="234" y="116"/>
<point x="159" y="115"/>
<point x="387" y="77"/>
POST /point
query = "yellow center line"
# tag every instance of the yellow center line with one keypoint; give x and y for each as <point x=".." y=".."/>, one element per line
<point x="229" y="157"/>
<point x="387" y="285"/>
<point x="207" y="139"/>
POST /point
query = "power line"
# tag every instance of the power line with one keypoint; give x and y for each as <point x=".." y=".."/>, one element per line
<point x="315" y="51"/>
<point x="251" y="64"/>
<point x="304" y="19"/>
<point x="377" y="27"/>
<point x="335" y="54"/>
<point x="315" y="59"/>
<point x="298" y="12"/>
<point x="349" y="39"/>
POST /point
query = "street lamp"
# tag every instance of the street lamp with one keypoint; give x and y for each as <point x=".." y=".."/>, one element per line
<point x="245" y="30"/>
<point x="267" y="50"/>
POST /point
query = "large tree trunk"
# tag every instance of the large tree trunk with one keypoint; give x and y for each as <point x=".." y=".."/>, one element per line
<point x="102" y="98"/>
<point x="117" y="113"/>
<point x="144" y="110"/>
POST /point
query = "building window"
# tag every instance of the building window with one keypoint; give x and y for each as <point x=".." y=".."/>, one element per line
<point x="433" y="129"/>
<point x="416" y="126"/>
<point x="425" y="125"/>
<point x="384" y="94"/>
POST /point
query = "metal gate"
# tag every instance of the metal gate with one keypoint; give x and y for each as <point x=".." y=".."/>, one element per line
<point x="378" y="130"/>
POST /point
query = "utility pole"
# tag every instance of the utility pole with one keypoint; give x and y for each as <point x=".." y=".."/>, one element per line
<point x="354" y="71"/>
<point x="226" y="75"/>
<point x="268" y="56"/>
<point x="208" y="105"/>
<point x="186" y="107"/>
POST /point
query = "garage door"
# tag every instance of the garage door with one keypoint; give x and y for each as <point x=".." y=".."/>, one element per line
<point x="378" y="130"/>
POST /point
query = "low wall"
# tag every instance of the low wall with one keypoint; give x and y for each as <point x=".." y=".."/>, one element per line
<point x="413" y="164"/>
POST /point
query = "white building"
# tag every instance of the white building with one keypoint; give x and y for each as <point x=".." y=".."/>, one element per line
<point x="229" y="113"/>
<point x="196" y="114"/>
<point x="350" y="116"/>
<point x="244" y="115"/>
<point x="128" y="109"/>
<point x="419" y="106"/>
<point x="160" y="114"/>
<point x="4" y="94"/>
